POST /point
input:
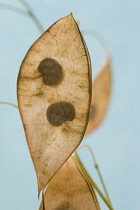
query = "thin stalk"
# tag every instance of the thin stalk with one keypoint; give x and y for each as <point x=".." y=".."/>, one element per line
<point x="29" y="12"/>
<point x="98" y="171"/>
<point x="13" y="8"/>
<point x="93" y="183"/>
<point x="11" y="104"/>
<point x="32" y="15"/>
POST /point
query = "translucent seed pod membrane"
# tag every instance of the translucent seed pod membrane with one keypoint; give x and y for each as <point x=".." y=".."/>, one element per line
<point x="54" y="96"/>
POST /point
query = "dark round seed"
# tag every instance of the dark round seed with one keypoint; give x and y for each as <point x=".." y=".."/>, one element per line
<point x="51" y="70"/>
<point x="60" y="112"/>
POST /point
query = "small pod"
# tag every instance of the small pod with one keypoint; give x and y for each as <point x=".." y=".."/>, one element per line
<point x="69" y="190"/>
<point x="101" y="89"/>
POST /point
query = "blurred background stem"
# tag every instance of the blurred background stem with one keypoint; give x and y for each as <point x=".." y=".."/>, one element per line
<point x="13" y="8"/>
<point x="26" y="11"/>
<point x="105" y="199"/>
<point x="32" y="15"/>
<point x="98" y="170"/>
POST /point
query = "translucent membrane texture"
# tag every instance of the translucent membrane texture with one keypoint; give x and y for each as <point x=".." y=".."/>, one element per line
<point x="54" y="96"/>
<point x="69" y="190"/>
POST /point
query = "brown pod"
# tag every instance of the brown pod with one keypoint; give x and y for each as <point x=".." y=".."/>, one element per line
<point x="101" y="89"/>
<point x="69" y="190"/>
<point x="54" y="96"/>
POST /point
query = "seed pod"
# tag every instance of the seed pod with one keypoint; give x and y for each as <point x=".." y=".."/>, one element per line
<point x="69" y="190"/>
<point x="54" y="96"/>
<point x="101" y="89"/>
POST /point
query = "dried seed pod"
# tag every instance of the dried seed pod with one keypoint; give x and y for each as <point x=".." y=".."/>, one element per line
<point x="101" y="88"/>
<point x="54" y="96"/>
<point x="69" y="190"/>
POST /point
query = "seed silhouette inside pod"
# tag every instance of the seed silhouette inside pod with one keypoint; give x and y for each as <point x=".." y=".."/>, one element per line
<point x="51" y="70"/>
<point x="60" y="112"/>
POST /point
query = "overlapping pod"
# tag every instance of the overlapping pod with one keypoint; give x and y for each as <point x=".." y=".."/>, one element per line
<point x="101" y="89"/>
<point x="54" y="96"/>
<point x="69" y="190"/>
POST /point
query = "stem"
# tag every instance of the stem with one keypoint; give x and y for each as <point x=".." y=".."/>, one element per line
<point x="32" y="15"/>
<point x="13" y="8"/>
<point x="29" y="12"/>
<point x="98" y="170"/>
<point x="93" y="182"/>
<point x="11" y="104"/>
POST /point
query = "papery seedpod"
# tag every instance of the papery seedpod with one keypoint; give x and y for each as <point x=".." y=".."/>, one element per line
<point x="69" y="190"/>
<point x="101" y="89"/>
<point x="54" y="96"/>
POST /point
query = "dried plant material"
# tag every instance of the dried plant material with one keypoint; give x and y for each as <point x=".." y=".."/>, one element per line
<point x="101" y="88"/>
<point x="69" y="190"/>
<point x="54" y="96"/>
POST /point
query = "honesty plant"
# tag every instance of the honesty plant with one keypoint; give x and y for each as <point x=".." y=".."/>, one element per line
<point x="59" y="104"/>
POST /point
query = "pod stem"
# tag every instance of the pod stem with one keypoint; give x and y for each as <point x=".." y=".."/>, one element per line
<point x="107" y="202"/>
<point x="32" y="15"/>
<point x="11" y="104"/>
<point x="13" y="8"/>
<point x="98" y="170"/>
<point x="28" y="12"/>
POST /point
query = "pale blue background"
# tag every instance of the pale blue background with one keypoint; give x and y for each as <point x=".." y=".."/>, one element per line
<point x="116" y="142"/>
